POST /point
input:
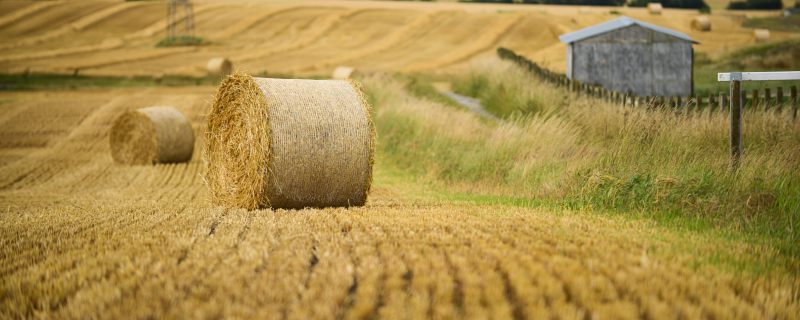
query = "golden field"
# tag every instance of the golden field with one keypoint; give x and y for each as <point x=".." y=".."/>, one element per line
<point x="311" y="37"/>
<point x="84" y="237"/>
<point x="442" y="235"/>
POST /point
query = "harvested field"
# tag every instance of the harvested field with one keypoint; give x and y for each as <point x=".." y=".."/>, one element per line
<point x="84" y="237"/>
<point x="585" y="210"/>
<point x="313" y="37"/>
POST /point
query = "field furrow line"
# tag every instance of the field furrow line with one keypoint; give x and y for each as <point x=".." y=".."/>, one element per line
<point x="330" y="271"/>
<point x="402" y="34"/>
<point x="486" y="41"/>
<point x="24" y="12"/>
<point x="29" y="250"/>
<point x="249" y="22"/>
<point x="320" y="30"/>
<point x="105" y="45"/>
<point x="114" y="60"/>
<point x="78" y="25"/>
<point x="137" y="263"/>
<point x="90" y="270"/>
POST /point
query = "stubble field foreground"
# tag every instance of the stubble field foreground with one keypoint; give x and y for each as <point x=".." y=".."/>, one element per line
<point x="83" y="237"/>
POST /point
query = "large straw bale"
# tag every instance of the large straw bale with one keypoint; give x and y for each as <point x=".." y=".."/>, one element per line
<point x="219" y="67"/>
<point x="761" y="35"/>
<point x="152" y="135"/>
<point x="654" y="8"/>
<point x="343" y="73"/>
<point x="289" y="143"/>
<point x="701" y="23"/>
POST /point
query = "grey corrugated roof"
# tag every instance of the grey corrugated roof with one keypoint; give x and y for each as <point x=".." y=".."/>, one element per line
<point x="620" y="22"/>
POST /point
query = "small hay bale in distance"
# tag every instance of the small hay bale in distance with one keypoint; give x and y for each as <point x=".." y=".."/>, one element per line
<point x="654" y="8"/>
<point x="289" y="143"/>
<point x="701" y="23"/>
<point x="219" y="67"/>
<point x="343" y="73"/>
<point x="151" y="135"/>
<point x="761" y="35"/>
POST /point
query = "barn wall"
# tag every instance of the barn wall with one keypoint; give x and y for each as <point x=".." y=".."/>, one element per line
<point x="635" y="59"/>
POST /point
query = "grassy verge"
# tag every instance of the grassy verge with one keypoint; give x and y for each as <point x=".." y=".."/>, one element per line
<point x="774" y="56"/>
<point x="777" y="23"/>
<point x="13" y="82"/>
<point x="582" y="154"/>
<point x="55" y="82"/>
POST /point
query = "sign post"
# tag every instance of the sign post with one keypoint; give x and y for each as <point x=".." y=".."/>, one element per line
<point x="735" y="79"/>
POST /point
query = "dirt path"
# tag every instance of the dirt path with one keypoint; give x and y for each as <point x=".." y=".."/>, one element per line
<point x="471" y="104"/>
<point x="83" y="237"/>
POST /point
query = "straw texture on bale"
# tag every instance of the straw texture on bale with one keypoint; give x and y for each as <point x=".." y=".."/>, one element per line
<point x="654" y="8"/>
<point x="151" y="135"/>
<point x="219" y="67"/>
<point x="343" y="73"/>
<point x="289" y="143"/>
<point x="761" y="35"/>
<point x="701" y="23"/>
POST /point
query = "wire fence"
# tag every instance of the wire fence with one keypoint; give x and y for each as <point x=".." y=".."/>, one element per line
<point x="778" y="99"/>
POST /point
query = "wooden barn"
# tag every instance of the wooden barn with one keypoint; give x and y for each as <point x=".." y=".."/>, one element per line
<point x="628" y="55"/>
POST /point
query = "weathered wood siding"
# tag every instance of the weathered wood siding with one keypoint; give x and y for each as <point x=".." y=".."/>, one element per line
<point x="634" y="59"/>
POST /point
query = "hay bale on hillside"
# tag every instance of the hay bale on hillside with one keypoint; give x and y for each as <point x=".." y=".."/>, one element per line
<point x="289" y="143"/>
<point x="761" y="35"/>
<point x="343" y="73"/>
<point x="151" y="135"/>
<point x="654" y="8"/>
<point x="701" y="23"/>
<point x="219" y="67"/>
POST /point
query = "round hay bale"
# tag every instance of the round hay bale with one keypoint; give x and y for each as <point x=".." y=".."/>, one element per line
<point x="701" y="23"/>
<point x="289" y="143"/>
<point x="219" y="67"/>
<point x="151" y="135"/>
<point x="761" y="35"/>
<point x="654" y="8"/>
<point x="343" y="73"/>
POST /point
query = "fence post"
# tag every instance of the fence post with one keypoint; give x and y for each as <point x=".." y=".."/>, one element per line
<point x="779" y="94"/>
<point x="755" y="100"/>
<point x="697" y="102"/>
<point x="793" y="101"/>
<point x="767" y="98"/>
<point x="736" y="123"/>
<point x="722" y="103"/>
<point x="712" y="104"/>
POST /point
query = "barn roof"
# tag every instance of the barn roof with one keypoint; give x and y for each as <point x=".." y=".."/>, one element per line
<point x="618" y="23"/>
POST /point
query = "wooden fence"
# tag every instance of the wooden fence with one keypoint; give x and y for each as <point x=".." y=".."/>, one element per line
<point x="778" y="99"/>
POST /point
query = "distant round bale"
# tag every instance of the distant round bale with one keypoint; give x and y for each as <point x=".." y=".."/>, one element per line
<point x="654" y="8"/>
<point x="761" y="35"/>
<point x="343" y="73"/>
<point x="151" y="135"/>
<point x="289" y="143"/>
<point x="219" y="67"/>
<point x="701" y="23"/>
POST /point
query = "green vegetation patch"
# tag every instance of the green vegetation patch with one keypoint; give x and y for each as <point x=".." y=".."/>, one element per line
<point x="777" y="23"/>
<point x="584" y="154"/>
<point x="181" y="41"/>
<point x="773" y="56"/>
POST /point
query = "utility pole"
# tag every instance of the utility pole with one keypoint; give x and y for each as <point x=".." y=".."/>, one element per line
<point x="174" y="19"/>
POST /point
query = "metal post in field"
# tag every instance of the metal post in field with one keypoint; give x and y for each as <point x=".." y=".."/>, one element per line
<point x="736" y="123"/>
<point x="793" y="101"/>
<point x="735" y="79"/>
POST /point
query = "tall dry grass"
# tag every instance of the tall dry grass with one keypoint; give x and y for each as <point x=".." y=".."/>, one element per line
<point x="585" y="153"/>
